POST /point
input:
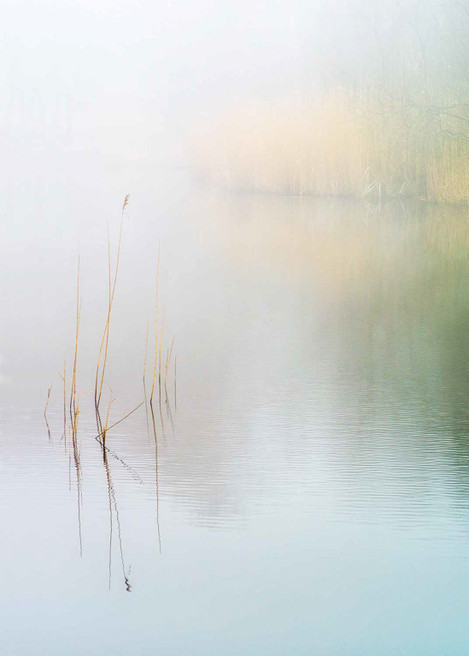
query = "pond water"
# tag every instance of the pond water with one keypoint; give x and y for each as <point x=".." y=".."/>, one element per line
<point x="308" y="488"/>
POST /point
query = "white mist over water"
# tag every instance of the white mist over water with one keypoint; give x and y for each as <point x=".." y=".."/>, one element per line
<point x="312" y="493"/>
<point x="316" y="466"/>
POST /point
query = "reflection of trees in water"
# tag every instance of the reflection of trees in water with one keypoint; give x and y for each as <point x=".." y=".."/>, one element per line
<point x="380" y="295"/>
<point x="326" y="309"/>
<point x="400" y="333"/>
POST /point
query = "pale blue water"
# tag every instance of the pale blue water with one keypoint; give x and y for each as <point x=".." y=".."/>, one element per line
<point x="313" y="492"/>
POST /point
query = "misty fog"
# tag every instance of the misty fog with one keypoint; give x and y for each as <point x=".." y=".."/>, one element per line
<point x="233" y="338"/>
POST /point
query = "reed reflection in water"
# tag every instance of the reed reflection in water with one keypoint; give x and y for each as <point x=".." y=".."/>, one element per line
<point x="160" y="381"/>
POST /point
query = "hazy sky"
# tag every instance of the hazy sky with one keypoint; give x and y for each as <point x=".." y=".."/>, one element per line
<point x="93" y="72"/>
<point x="70" y="66"/>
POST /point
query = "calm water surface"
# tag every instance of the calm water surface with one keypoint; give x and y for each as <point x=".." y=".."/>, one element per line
<point x="309" y="493"/>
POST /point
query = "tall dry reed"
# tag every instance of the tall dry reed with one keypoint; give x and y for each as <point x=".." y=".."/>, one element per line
<point x="104" y="344"/>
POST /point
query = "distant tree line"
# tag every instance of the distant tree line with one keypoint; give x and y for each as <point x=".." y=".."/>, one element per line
<point x="411" y="55"/>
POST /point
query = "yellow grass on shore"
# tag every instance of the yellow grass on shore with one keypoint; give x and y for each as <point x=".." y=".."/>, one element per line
<point x="334" y="148"/>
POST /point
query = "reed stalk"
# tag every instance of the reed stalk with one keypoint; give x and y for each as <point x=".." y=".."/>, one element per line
<point x="74" y="412"/>
<point x="64" y="384"/>
<point x="166" y="369"/>
<point x="175" y="384"/>
<point x="106" y="425"/>
<point x="155" y="361"/>
<point x="108" y="428"/>
<point x="145" y="396"/>
<point x="104" y="344"/>
<point x="45" y="409"/>
<point x="159" y="355"/>
<point x="74" y="407"/>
